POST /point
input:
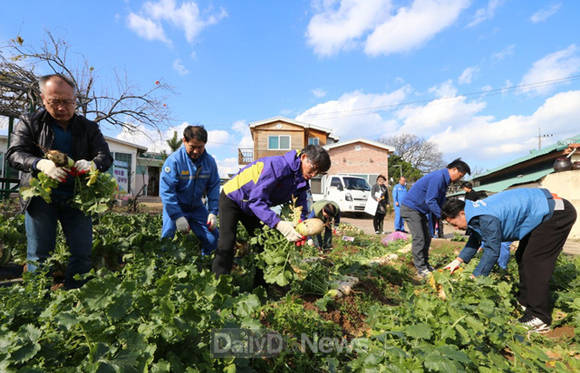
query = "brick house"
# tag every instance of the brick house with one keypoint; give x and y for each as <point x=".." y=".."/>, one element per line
<point x="278" y="135"/>
<point x="359" y="157"/>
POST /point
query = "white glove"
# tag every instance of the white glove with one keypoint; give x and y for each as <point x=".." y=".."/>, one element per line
<point x="182" y="224"/>
<point x="211" y="221"/>
<point x="453" y="265"/>
<point x="51" y="170"/>
<point x="287" y="229"/>
<point x="84" y="165"/>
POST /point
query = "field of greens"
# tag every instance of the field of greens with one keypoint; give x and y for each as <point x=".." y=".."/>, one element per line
<point x="152" y="305"/>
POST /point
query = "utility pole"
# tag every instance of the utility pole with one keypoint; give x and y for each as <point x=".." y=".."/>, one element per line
<point x="540" y="137"/>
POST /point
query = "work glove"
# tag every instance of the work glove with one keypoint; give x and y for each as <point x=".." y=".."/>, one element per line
<point x="288" y="231"/>
<point x="300" y="242"/>
<point x="211" y="221"/>
<point x="453" y="265"/>
<point x="51" y="170"/>
<point x="182" y="224"/>
<point x="82" y="165"/>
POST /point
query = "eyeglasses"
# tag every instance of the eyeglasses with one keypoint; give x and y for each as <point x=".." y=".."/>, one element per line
<point x="59" y="102"/>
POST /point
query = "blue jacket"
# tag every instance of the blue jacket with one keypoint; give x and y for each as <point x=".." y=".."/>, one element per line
<point x="183" y="182"/>
<point x="427" y="195"/>
<point x="267" y="182"/>
<point x="399" y="193"/>
<point x="506" y="216"/>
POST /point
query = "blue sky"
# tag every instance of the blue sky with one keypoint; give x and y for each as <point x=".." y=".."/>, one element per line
<point x="476" y="77"/>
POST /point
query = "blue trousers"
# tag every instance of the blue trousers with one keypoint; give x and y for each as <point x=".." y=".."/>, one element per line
<point x="198" y="223"/>
<point x="504" y="255"/>
<point x="399" y="222"/>
<point x="40" y="223"/>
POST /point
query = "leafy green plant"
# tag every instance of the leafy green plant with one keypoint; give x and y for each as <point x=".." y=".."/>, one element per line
<point x="93" y="191"/>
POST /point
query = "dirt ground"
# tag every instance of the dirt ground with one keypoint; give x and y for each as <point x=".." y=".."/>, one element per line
<point x="365" y="222"/>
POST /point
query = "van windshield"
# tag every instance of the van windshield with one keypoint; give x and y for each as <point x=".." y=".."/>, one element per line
<point x="355" y="183"/>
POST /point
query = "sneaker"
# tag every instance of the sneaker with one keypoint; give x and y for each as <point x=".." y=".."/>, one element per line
<point x="534" y="324"/>
<point x="423" y="273"/>
<point x="377" y="232"/>
<point x="430" y="269"/>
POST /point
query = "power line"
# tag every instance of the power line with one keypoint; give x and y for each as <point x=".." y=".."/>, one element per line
<point x="491" y="92"/>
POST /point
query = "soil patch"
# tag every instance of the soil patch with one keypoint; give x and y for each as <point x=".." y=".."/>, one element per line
<point x="369" y="286"/>
<point x="562" y="332"/>
<point x="345" y="313"/>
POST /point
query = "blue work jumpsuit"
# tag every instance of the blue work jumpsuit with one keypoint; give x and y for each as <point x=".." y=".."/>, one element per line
<point x="182" y="185"/>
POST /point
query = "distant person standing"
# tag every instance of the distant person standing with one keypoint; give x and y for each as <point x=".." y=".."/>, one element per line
<point x="471" y="194"/>
<point x="399" y="192"/>
<point x="425" y="197"/>
<point x="379" y="193"/>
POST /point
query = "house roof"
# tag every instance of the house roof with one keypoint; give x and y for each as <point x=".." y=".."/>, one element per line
<point x="365" y="141"/>
<point x="557" y="147"/>
<point x="291" y="121"/>
<point x="498" y="186"/>
<point x="107" y="138"/>
<point x="140" y="147"/>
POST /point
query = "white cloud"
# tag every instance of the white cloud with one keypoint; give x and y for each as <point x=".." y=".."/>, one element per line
<point x="467" y="75"/>
<point x="317" y="92"/>
<point x="227" y="166"/>
<point x="186" y="17"/>
<point x="152" y="139"/>
<point x="217" y="138"/>
<point x="412" y="27"/>
<point x="507" y="86"/>
<point x="557" y="65"/>
<point x="146" y="28"/>
<point x="436" y="114"/>
<point x="545" y="13"/>
<point x="243" y="129"/>
<point x="445" y="89"/>
<point x="338" y="24"/>
<point x="507" y="51"/>
<point x="489" y="138"/>
<point x="356" y="114"/>
<point x="484" y="14"/>
<point x="345" y="24"/>
<point x="179" y="67"/>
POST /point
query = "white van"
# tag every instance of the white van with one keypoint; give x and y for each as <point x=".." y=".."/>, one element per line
<point x="350" y="192"/>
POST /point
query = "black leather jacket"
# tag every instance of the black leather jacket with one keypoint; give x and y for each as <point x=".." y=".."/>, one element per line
<point x="33" y="134"/>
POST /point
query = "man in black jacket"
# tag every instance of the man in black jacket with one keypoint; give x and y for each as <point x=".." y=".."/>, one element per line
<point x="57" y="127"/>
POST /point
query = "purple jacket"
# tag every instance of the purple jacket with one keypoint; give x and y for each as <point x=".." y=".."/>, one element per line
<point x="268" y="182"/>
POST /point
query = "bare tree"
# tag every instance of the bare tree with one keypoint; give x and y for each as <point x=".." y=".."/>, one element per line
<point x="123" y="106"/>
<point x="420" y="153"/>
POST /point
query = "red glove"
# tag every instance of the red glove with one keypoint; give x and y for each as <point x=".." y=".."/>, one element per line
<point x="301" y="242"/>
